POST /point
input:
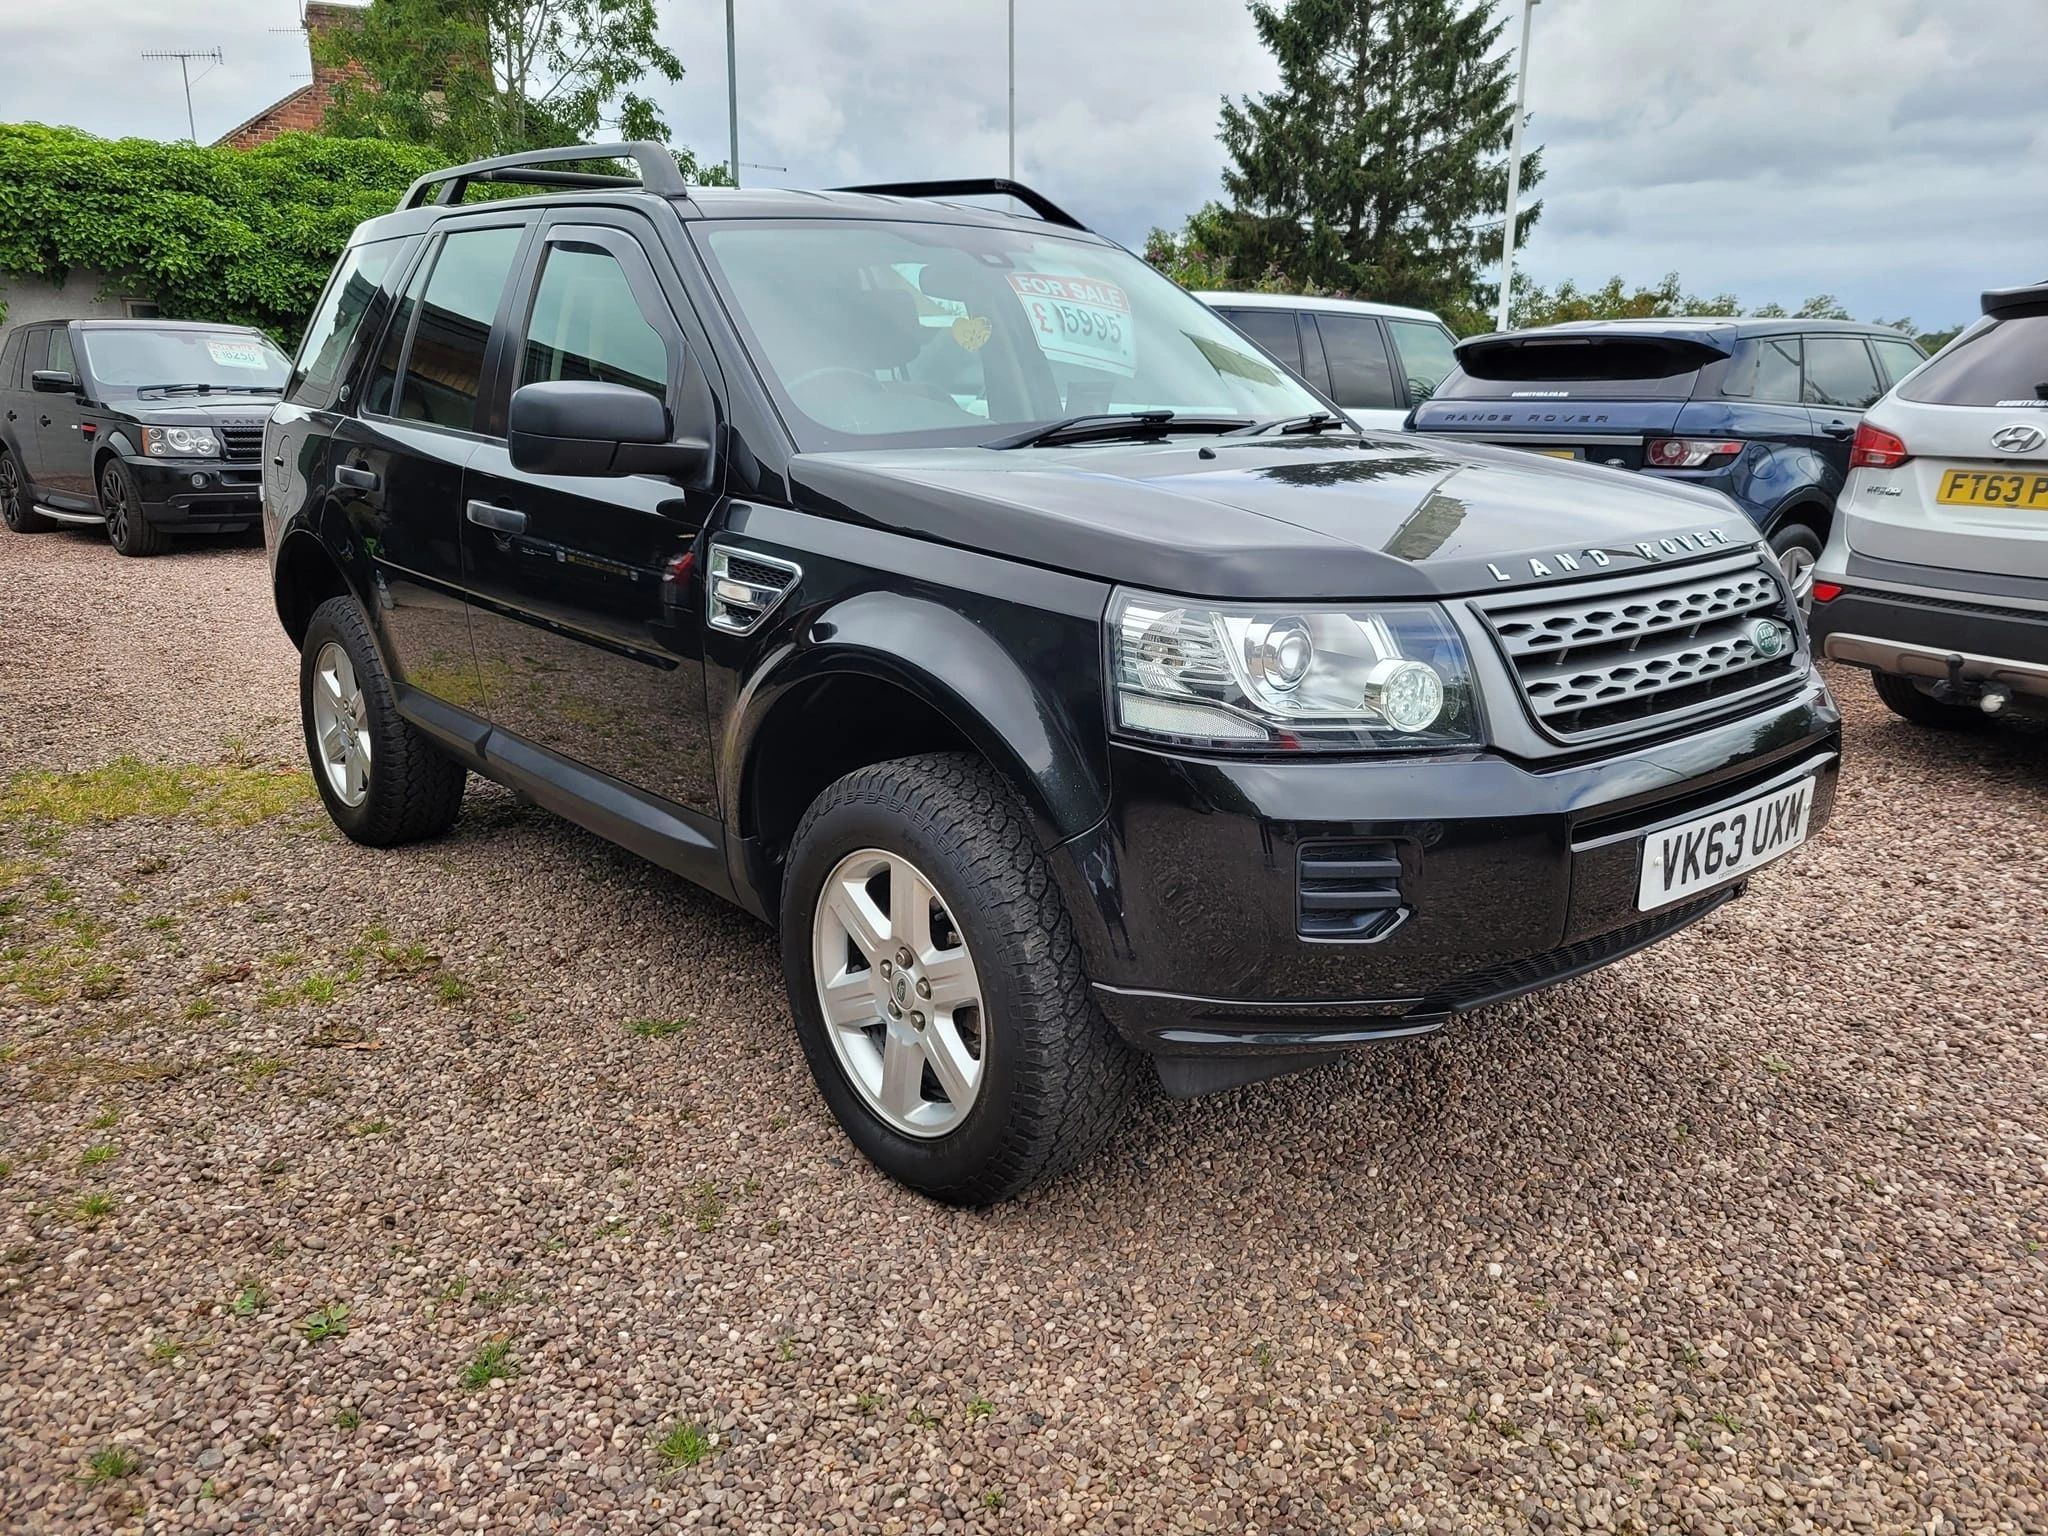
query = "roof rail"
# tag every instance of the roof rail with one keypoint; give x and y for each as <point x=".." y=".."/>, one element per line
<point x="658" y="172"/>
<point x="978" y="186"/>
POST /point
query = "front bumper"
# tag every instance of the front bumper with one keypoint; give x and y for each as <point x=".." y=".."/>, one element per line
<point x="1512" y="876"/>
<point x="226" y="497"/>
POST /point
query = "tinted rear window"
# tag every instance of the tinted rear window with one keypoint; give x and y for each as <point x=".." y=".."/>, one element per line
<point x="1272" y="329"/>
<point x="1578" y="367"/>
<point x="2002" y="362"/>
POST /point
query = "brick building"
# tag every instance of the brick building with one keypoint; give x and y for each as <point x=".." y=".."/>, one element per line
<point x="305" y="109"/>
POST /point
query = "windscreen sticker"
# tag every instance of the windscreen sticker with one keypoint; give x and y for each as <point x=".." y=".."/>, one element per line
<point x="1079" y="320"/>
<point x="972" y="332"/>
<point x="237" y="354"/>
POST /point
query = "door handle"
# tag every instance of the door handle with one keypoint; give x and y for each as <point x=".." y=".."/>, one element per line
<point x="350" y="474"/>
<point x="1839" y="429"/>
<point x="42" y="421"/>
<point x="486" y="514"/>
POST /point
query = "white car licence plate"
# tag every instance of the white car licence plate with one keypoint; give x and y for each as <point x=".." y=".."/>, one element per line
<point x="1711" y="850"/>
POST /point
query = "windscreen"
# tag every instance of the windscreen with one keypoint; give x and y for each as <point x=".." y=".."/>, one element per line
<point x="1996" y="362"/>
<point x="1578" y="368"/>
<point x="225" y="360"/>
<point x="875" y="334"/>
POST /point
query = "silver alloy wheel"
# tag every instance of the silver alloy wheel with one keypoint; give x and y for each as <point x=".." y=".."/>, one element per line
<point x="341" y="725"/>
<point x="1797" y="564"/>
<point x="899" y="994"/>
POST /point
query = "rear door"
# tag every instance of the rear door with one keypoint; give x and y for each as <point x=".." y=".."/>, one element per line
<point x="14" y="425"/>
<point x="1361" y="369"/>
<point x="396" y="466"/>
<point x="588" y="640"/>
<point x="1841" y="383"/>
<point x="64" y="452"/>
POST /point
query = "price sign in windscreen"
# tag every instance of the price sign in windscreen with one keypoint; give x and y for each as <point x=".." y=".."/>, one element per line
<point x="1080" y="320"/>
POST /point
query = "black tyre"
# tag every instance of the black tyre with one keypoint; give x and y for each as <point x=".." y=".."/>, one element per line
<point x="1904" y="699"/>
<point x="121" y="504"/>
<point x="15" y="509"/>
<point x="382" y="781"/>
<point x="1797" y="547"/>
<point x="937" y="985"/>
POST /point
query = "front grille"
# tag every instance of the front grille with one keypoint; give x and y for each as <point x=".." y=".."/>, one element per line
<point x="241" y="439"/>
<point x="1619" y="659"/>
<point x="1514" y="977"/>
<point x="1349" y="890"/>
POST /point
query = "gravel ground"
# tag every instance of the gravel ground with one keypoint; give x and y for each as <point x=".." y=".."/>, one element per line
<point x="1744" y="1234"/>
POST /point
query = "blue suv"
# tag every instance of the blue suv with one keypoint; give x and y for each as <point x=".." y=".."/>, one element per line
<point x="1765" y="410"/>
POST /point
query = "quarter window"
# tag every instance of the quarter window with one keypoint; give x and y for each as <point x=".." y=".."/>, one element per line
<point x="1896" y="358"/>
<point x="1427" y="356"/>
<point x="1360" y="379"/>
<point x="586" y="324"/>
<point x="1839" y="372"/>
<point x="61" y="360"/>
<point x="10" y="362"/>
<point x="1273" y="329"/>
<point x="444" y="366"/>
<point x="348" y="299"/>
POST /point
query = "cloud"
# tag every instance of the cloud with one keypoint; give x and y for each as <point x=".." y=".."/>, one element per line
<point x="1881" y="150"/>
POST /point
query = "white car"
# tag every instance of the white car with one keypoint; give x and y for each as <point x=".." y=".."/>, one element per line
<point x="1935" y="574"/>
<point x="1378" y="361"/>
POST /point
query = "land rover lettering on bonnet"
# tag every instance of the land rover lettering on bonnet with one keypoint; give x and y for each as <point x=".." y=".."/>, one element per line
<point x="1077" y="691"/>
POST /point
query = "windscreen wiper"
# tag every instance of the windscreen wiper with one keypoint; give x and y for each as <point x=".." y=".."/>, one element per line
<point x="1313" y="421"/>
<point x="1104" y="426"/>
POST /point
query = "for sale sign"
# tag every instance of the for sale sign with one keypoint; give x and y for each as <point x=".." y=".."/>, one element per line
<point x="1079" y="320"/>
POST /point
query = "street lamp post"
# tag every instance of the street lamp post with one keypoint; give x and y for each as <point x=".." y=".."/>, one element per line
<point x="1013" y="90"/>
<point x="732" y="98"/>
<point x="1507" y="239"/>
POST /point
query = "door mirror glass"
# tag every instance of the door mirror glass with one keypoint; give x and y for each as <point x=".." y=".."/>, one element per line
<point x="582" y="427"/>
<point x="53" y="381"/>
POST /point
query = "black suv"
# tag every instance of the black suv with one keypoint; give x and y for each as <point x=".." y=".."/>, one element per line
<point x="141" y="427"/>
<point x="1067" y="682"/>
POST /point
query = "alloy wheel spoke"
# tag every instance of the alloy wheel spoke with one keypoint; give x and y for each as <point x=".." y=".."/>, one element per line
<point x="950" y="973"/>
<point x="902" y="1074"/>
<point x="950" y="1063"/>
<point x="848" y="1000"/>
<point x="910" y="908"/>
<point x="864" y="922"/>
<point x="352" y="776"/>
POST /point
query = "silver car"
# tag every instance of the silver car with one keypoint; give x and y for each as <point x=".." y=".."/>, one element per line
<point x="1935" y="575"/>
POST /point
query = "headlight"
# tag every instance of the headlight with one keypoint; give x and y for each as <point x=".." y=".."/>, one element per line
<point x="1289" y="679"/>
<point x="180" y="443"/>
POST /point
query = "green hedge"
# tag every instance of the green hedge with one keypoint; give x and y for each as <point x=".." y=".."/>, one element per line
<point x="244" y="236"/>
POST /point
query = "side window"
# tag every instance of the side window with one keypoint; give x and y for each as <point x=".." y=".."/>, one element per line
<point x="1779" y="360"/>
<point x="586" y="324"/>
<point x="10" y="362"/>
<point x="1428" y="354"/>
<point x="1360" y="379"/>
<point x="317" y="375"/>
<point x="451" y="326"/>
<point x="61" y="359"/>
<point x="381" y="393"/>
<point x="1839" y="372"/>
<point x="1896" y="358"/>
<point x="1273" y="329"/>
<point x="38" y="353"/>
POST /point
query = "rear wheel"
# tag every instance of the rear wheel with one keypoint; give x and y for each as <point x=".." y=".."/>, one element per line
<point x="132" y="533"/>
<point x="1904" y="698"/>
<point x="937" y="985"/>
<point x="1797" y="547"/>
<point x="15" y="511"/>
<point x="381" y="780"/>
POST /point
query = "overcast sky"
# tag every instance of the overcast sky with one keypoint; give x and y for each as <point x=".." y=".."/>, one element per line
<point x="1888" y="151"/>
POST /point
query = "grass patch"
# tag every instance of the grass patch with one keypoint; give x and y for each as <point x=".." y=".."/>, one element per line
<point x="249" y="1300"/>
<point x="708" y="1208"/>
<point x="683" y="1446"/>
<point x="348" y="1416"/>
<point x="94" y="1207"/>
<point x="217" y="794"/>
<point x="979" y="1407"/>
<point x="109" y="1466"/>
<point x="330" y="1322"/>
<point x="98" y="1155"/>
<point x="451" y="988"/>
<point x="163" y="1349"/>
<point x="201" y="1008"/>
<point x="659" y="1029"/>
<point x="492" y="1362"/>
<point x="318" y="989"/>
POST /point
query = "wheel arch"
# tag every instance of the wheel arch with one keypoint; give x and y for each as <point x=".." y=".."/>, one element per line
<point x="1809" y="508"/>
<point x="822" y="711"/>
<point x="305" y="574"/>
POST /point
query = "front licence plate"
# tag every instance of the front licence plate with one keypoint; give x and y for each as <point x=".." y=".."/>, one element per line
<point x="2023" y="488"/>
<point x="1681" y="861"/>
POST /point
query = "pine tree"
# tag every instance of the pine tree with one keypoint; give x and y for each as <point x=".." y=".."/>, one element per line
<point x="1374" y="167"/>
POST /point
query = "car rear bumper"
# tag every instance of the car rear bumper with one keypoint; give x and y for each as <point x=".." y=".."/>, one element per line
<point x="195" y="495"/>
<point x="1190" y="896"/>
<point x="1916" y="635"/>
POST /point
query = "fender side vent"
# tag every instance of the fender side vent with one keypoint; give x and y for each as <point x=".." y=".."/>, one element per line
<point x="1349" y="891"/>
<point x="743" y="588"/>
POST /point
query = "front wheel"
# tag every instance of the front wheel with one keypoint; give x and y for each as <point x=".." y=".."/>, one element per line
<point x="381" y="780"/>
<point x="1797" y="547"/>
<point x="121" y="503"/>
<point x="937" y="985"/>
<point x="1904" y="698"/>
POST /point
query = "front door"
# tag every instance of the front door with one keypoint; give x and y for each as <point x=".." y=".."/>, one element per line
<point x="588" y="641"/>
<point x="64" y="452"/>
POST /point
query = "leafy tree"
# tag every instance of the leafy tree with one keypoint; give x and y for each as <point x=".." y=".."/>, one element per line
<point x="244" y="236"/>
<point x="1375" y="166"/>
<point x="485" y="77"/>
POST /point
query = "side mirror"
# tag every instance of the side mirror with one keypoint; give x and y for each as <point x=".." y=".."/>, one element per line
<point x="53" y="381"/>
<point x="575" y="427"/>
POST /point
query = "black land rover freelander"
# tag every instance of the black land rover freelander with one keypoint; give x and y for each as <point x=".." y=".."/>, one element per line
<point x="1068" y="683"/>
